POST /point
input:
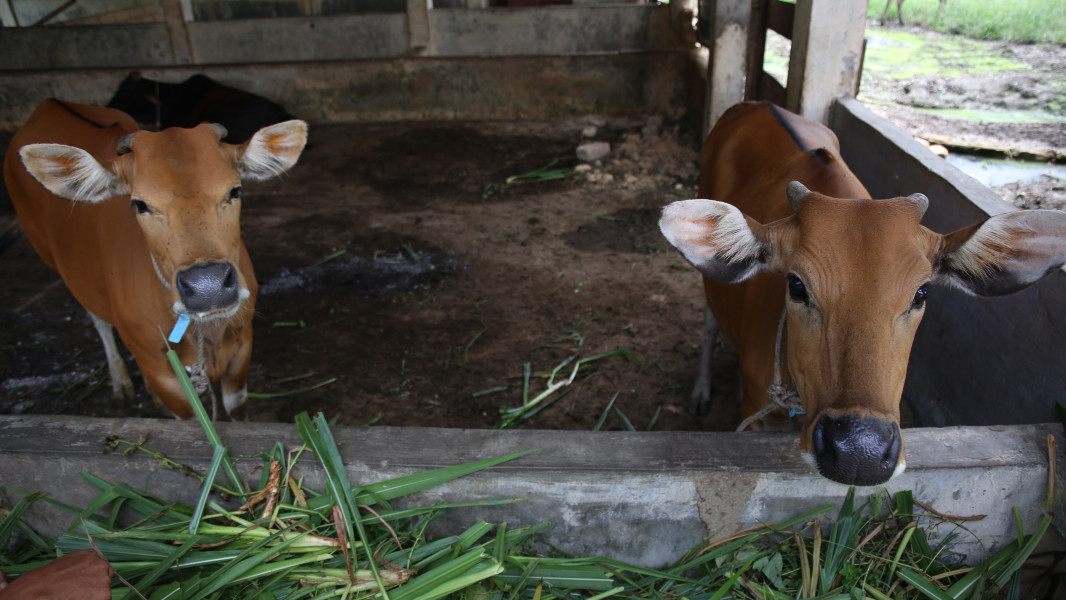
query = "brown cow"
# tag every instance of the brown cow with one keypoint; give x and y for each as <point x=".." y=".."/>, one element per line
<point x="144" y="227"/>
<point x="850" y="276"/>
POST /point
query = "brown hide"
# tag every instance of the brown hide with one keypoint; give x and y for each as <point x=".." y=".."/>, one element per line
<point x="751" y="173"/>
<point x="785" y="229"/>
<point x="185" y="213"/>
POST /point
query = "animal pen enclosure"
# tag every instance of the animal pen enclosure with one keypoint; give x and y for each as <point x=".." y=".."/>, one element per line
<point x="452" y="65"/>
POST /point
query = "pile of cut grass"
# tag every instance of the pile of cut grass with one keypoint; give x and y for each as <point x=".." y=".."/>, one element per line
<point x="288" y="542"/>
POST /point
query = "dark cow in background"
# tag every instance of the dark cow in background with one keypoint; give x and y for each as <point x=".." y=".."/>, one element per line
<point x="198" y="99"/>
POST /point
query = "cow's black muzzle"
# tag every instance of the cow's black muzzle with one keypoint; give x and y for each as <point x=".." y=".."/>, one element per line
<point x="856" y="450"/>
<point x="208" y="287"/>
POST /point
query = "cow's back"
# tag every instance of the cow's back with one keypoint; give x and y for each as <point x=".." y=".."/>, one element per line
<point x="74" y="239"/>
<point x="748" y="159"/>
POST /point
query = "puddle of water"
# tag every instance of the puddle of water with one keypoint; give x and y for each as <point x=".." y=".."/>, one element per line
<point x="994" y="116"/>
<point x="993" y="171"/>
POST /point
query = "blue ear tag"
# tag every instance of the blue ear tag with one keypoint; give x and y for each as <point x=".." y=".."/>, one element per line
<point x="179" y="328"/>
<point x="793" y="412"/>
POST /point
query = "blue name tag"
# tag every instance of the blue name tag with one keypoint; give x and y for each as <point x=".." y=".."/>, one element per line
<point x="179" y="328"/>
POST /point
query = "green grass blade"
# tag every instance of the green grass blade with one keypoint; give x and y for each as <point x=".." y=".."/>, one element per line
<point x="923" y="585"/>
<point x="150" y="578"/>
<point x="456" y="574"/>
<point x="203" y="418"/>
<point x="317" y="435"/>
<point x="409" y="484"/>
<point x="1023" y="553"/>
<point x="8" y="524"/>
<point x="209" y="482"/>
<point x="606" y="412"/>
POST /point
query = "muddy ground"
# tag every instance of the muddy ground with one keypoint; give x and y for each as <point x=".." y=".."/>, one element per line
<point x="998" y="98"/>
<point x="449" y="283"/>
<point x="445" y="281"/>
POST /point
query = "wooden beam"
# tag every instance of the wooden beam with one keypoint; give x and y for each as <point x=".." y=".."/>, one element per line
<point x="826" y="58"/>
<point x="728" y="65"/>
<point x="174" y="17"/>
<point x="419" y="40"/>
<point x="780" y="16"/>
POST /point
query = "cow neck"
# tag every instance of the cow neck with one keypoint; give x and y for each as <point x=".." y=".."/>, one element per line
<point x="778" y="393"/>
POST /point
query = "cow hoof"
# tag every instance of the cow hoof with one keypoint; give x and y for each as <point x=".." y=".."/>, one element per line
<point x="123" y="390"/>
<point x="700" y="403"/>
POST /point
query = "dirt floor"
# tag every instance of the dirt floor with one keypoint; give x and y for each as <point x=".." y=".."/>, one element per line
<point x="449" y="283"/>
<point x="443" y="281"/>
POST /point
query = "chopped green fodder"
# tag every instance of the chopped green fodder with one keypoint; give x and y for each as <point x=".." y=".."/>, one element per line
<point x="289" y="541"/>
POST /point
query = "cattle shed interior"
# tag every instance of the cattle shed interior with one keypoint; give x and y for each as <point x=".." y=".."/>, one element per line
<point x="982" y="371"/>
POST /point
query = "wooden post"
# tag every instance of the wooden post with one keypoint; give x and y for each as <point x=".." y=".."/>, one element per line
<point x="826" y="60"/>
<point x="729" y="25"/>
<point x="418" y="33"/>
<point x="175" y="17"/>
<point x="8" y="18"/>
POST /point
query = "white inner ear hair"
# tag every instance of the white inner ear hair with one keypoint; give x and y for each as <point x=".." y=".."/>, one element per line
<point x="733" y="239"/>
<point x="986" y="250"/>
<point x="706" y="230"/>
<point x="75" y="173"/>
<point x="260" y="162"/>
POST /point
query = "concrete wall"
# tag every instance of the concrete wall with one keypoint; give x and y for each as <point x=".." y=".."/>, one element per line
<point x="975" y="361"/>
<point x="506" y="64"/>
<point x="644" y="498"/>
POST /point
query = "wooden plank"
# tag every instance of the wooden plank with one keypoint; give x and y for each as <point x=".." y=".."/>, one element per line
<point x="771" y="90"/>
<point x="419" y="39"/>
<point x="174" y="18"/>
<point x="730" y="26"/>
<point x="990" y="148"/>
<point x="826" y="55"/>
<point x="756" y="50"/>
<point x="780" y="16"/>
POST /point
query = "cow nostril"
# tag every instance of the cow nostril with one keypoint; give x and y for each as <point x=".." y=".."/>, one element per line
<point x="230" y="280"/>
<point x="856" y="450"/>
<point x="208" y="286"/>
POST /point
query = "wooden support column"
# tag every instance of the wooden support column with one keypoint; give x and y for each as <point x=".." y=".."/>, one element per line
<point x="175" y="17"/>
<point x="729" y="24"/>
<point x="826" y="60"/>
<point x="8" y="18"/>
<point x="418" y="34"/>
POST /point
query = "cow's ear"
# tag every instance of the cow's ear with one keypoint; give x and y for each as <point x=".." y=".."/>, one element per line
<point x="272" y="150"/>
<point x="1004" y="254"/>
<point x="719" y="240"/>
<point x="71" y="173"/>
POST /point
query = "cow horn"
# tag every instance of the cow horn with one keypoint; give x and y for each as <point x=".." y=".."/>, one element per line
<point x="921" y="201"/>
<point x="796" y="192"/>
<point x="220" y="130"/>
<point x="124" y="145"/>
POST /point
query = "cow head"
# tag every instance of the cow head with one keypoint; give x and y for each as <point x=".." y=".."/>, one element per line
<point x="184" y="190"/>
<point x="856" y="279"/>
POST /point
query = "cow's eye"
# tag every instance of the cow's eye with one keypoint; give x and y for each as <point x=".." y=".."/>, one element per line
<point x="142" y="208"/>
<point x="920" y="296"/>
<point x="235" y="194"/>
<point x="797" y="291"/>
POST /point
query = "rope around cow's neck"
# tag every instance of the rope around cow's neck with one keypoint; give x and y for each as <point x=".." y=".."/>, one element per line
<point x="202" y="366"/>
<point x="780" y="396"/>
<point x="201" y="383"/>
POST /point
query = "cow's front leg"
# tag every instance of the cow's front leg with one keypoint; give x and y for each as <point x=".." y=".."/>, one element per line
<point x="234" y="380"/>
<point x="700" y="402"/>
<point x="121" y="386"/>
